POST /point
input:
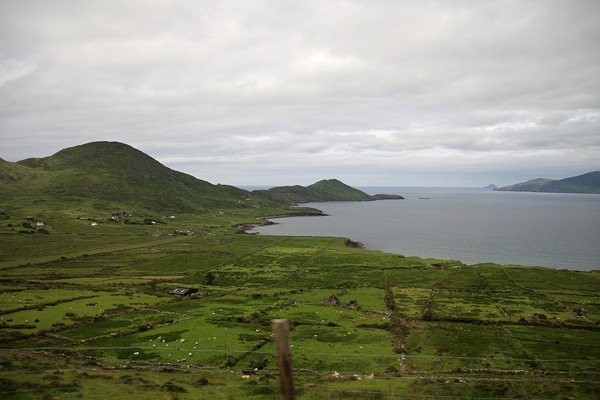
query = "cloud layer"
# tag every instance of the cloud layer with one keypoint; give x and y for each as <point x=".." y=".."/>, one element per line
<point x="271" y="92"/>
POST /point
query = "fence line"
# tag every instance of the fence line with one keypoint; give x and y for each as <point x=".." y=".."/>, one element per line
<point x="375" y="355"/>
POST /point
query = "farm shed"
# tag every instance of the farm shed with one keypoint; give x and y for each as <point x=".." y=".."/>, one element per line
<point x="181" y="291"/>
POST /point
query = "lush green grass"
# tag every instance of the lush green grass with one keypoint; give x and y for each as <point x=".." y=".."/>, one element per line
<point x="95" y="307"/>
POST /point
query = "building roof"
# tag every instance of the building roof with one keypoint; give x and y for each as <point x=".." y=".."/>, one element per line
<point x="182" y="291"/>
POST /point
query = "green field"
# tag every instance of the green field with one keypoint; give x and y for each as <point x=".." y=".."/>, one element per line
<point x="85" y="314"/>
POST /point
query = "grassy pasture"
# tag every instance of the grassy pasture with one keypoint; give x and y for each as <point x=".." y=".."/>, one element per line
<point x="91" y="317"/>
<point x="44" y="310"/>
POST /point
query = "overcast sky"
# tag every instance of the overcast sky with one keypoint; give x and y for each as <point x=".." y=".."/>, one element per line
<point x="390" y="93"/>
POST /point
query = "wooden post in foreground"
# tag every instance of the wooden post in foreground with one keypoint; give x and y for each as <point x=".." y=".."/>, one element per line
<point x="281" y="331"/>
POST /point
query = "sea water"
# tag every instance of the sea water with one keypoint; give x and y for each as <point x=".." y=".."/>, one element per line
<point x="469" y="225"/>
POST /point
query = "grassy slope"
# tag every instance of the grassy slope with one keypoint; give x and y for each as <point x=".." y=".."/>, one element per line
<point x="121" y="174"/>
<point x="95" y="181"/>
<point x="530" y="186"/>
<point x="586" y="183"/>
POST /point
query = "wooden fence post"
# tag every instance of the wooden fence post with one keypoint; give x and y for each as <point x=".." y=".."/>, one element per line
<point x="281" y="332"/>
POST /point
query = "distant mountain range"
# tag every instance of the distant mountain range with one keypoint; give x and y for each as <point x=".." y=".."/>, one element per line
<point x="105" y="175"/>
<point x="586" y="183"/>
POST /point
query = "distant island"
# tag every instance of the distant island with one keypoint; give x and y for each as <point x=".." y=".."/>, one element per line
<point x="586" y="183"/>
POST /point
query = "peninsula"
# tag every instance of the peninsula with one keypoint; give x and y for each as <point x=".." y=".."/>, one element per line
<point x="586" y="183"/>
<point x="325" y="190"/>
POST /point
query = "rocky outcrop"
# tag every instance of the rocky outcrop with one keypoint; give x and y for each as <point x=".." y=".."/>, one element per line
<point x="331" y="300"/>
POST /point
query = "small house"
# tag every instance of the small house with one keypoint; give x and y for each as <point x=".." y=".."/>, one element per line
<point x="181" y="291"/>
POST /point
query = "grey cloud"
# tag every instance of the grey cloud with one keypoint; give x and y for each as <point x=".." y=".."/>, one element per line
<point x="308" y="87"/>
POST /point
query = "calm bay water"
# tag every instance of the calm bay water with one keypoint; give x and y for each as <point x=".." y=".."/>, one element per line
<point x="470" y="225"/>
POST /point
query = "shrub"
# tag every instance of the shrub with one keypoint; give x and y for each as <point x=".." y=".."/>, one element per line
<point x="173" y="388"/>
<point x="202" y="382"/>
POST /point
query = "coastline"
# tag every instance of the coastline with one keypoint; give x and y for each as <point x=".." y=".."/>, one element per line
<point x="473" y="226"/>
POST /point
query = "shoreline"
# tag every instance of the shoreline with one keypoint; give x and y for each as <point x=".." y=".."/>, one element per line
<point x="370" y="225"/>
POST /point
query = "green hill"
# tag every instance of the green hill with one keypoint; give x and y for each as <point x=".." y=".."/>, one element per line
<point x="108" y="174"/>
<point x="586" y="183"/>
<point x="324" y="190"/>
